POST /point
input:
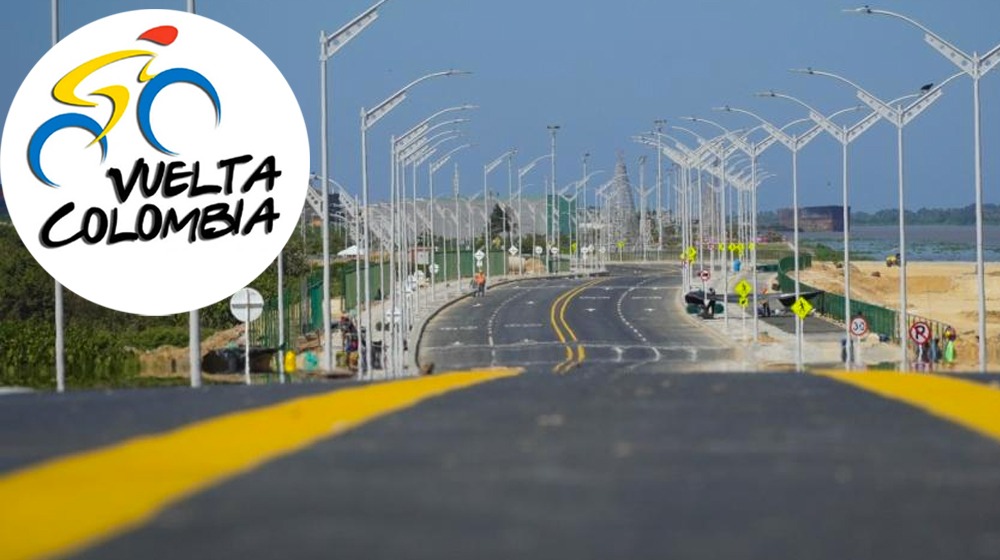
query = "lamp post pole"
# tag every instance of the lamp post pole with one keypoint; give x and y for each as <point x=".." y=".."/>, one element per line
<point x="368" y="119"/>
<point x="553" y="129"/>
<point x="659" y="194"/>
<point x="976" y="67"/>
<point x="487" y="169"/>
<point x="520" y="186"/>
<point x="845" y="135"/>
<point x="328" y="46"/>
<point x="431" y="170"/>
<point x="899" y="116"/>
<point x="794" y="143"/>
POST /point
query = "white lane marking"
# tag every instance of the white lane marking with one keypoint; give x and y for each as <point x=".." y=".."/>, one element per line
<point x="523" y="325"/>
<point x="619" y="352"/>
<point x="491" y="322"/>
<point x="590" y="310"/>
<point x="646" y="297"/>
<point x="594" y="297"/>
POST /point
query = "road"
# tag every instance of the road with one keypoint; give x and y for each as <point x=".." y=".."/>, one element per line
<point x="619" y="439"/>
<point x="629" y="320"/>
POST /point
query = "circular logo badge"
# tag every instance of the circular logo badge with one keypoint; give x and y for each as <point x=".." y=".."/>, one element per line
<point x="154" y="162"/>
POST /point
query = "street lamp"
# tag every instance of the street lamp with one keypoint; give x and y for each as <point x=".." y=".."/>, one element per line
<point x="328" y="46"/>
<point x="976" y="67"/>
<point x="899" y="116"/>
<point x="553" y="129"/>
<point x="794" y="143"/>
<point x="658" y="124"/>
<point x="520" y="186"/>
<point x="845" y="135"/>
<point x="489" y="167"/>
<point x="368" y="119"/>
<point x="431" y="170"/>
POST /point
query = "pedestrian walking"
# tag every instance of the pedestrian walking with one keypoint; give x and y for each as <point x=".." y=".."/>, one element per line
<point x="481" y="284"/>
<point x="935" y="352"/>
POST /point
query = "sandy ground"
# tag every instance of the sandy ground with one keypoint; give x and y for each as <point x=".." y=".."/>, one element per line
<point x="942" y="291"/>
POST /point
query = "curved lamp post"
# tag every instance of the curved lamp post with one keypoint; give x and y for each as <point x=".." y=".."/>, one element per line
<point x="976" y="66"/>
<point x="899" y="116"/>
<point x="368" y="119"/>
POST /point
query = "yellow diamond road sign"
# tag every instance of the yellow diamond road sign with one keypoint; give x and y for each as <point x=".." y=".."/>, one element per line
<point x="802" y="307"/>
<point x="692" y="253"/>
<point x="743" y="288"/>
<point x="744" y="301"/>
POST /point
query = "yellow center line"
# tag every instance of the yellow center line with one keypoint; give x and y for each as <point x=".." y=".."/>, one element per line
<point x="562" y="302"/>
<point x="975" y="406"/>
<point x="69" y="503"/>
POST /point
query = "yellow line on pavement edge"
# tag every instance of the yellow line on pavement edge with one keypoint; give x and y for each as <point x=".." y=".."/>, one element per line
<point x="975" y="406"/>
<point x="69" y="503"/>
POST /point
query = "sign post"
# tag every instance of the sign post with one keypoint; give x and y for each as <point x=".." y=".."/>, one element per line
<point x="859" y="328"/>
<point x="246" y="305"/>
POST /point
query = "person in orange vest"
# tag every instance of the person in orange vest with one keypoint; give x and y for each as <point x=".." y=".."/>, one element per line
<point x="480" y="284"/>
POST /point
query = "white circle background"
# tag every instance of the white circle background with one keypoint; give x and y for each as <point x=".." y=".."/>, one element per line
<point x="260" y="117"/>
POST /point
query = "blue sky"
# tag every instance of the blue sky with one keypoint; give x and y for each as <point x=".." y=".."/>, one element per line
<point x="604" y="71"/>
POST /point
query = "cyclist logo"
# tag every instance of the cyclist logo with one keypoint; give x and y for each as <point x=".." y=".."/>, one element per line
<point x="65" y="91"/>
<point x="122" y="178"/>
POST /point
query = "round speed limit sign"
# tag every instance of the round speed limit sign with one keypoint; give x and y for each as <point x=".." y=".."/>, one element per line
<point x="859" y="326"/>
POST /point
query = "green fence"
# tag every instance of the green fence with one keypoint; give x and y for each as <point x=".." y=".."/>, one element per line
<point x="881" y="320"/>
<point x="303" y="312"/>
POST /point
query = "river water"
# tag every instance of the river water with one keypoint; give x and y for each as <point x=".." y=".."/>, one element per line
<point x="923" y="243"/>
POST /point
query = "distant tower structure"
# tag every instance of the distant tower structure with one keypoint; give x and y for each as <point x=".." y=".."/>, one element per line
<point x="624" y="222"/>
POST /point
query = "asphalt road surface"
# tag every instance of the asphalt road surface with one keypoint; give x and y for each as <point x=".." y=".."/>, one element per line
<point x="621" y="439"/>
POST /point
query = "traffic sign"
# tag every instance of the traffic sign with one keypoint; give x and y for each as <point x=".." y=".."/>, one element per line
<point x="435" y="268"/>
<point x="621" y="245"/>
<point x="705" y="275"/>
<point x="920" y="332"/>
<point x="539" y="250"/>
<point x="732" y="247"/>
<point x="692" y="253"/>
<point x="246" y="305"/>
<point x="744" y="301"/>
<point x="802" y="308"/>
<point x="743" y="288"/>
<point x="513" y="251"/>
<point x="859" y="326"/>
<point x="554" y="250"/>
<point x="586" y="250"/>
<point x="602" y="250"/>
<point x="479" y="254"/>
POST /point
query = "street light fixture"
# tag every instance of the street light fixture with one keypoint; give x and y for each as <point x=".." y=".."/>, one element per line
<point x="328" y="46"/>
<point x="489" y="167"/>
<point x="368" y="119"/>
<point x="845" y="135"/>
<point x="520" y="186"/>
<point x="899" y="116"/>
<point x="976" y="67"/>
<point x="431" y="170"/>
<point x="794" y="143"/>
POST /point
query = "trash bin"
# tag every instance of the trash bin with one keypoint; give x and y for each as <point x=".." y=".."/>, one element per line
<point x="377" y="354"/>
<point x="737" y="265"/>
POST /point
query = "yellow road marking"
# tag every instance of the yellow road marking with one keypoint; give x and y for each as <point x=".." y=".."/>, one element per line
<point x="69" y="503"/>
<point x="561" y="303"/>
<point x="975" y="406"/>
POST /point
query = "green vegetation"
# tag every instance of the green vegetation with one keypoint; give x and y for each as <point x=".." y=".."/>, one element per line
<point x="100" y="343"/>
